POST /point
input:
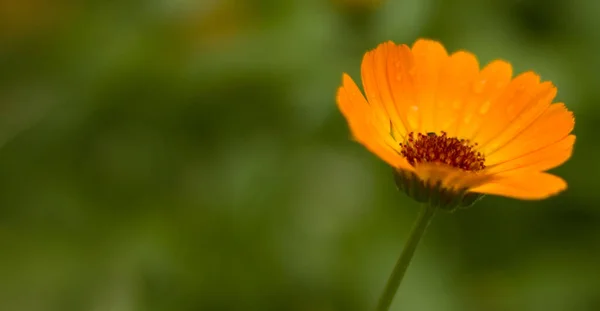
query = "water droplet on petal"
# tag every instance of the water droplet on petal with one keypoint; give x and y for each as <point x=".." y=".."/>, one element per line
<point x="479" y="86"/>
<point x="468" y="118"/>
<point x="457" y="104"/>
<point x="485" y="107"/>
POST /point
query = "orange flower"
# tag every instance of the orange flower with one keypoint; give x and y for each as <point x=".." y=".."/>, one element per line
<point x="453" y="131"/>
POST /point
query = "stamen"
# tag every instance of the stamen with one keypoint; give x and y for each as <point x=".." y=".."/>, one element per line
<point x="433" y="148"/>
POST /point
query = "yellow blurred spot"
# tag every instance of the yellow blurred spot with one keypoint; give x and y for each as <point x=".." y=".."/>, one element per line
<point x="19" y="18"/>
<point x="358" y="4"/>
<point x="216" y="24"/>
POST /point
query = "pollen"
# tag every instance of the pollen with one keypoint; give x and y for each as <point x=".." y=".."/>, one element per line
<point x="433" y="148"/>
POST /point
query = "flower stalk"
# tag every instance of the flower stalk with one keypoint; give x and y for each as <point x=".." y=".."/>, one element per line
<point x="425" y="215"/>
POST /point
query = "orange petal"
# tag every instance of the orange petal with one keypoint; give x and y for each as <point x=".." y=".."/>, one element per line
<point x="399" y="62"/>
<point x="429" y="57"/>
<point x="485" y="89"/>
<point x="523" y="101"/>
<point x="366" y="127"/>
<point x="449" y="177"/>
<point x="539" y="160"/>
<point x="374" y="69"/>
<point x="456" y="77"/>
<point x="532" y="109"/>
<point x="525" y="185"/>
<point x="552" y="126"/>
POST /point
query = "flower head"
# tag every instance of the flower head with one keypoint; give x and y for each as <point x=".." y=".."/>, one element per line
<point x="454" y="132"/>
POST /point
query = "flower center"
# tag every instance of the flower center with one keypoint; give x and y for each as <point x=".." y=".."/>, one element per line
<point x="433" y="148"/>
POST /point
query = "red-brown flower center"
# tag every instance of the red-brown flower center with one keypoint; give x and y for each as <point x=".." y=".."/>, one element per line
<point x="459" y="153"/>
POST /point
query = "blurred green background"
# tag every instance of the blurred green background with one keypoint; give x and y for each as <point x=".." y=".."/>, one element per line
<point x="189" y="155"/>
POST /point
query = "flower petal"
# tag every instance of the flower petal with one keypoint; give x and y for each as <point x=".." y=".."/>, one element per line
<point x="374" y="72"/>
<point x="449" y="177"/>
<point x="551" y="127"/>
<point x="539" y="160"/>
<point x="522" y="102"/>
<point x="367" y="126"/>
<point x="485" y="89"/>
<point x="429" y="57"/>
<point x="525" y="185"/>
<point x="400" y="62"/>
<point x="457" y="74"/>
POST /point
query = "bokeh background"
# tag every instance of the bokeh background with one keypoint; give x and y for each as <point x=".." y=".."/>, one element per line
<point x="189" y="155"/>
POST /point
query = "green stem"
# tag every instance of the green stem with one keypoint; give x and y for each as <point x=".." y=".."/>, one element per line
<point x="417" y="231"/>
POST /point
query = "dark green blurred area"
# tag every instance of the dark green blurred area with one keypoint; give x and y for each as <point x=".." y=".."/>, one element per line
<point x="189" y="155"/>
